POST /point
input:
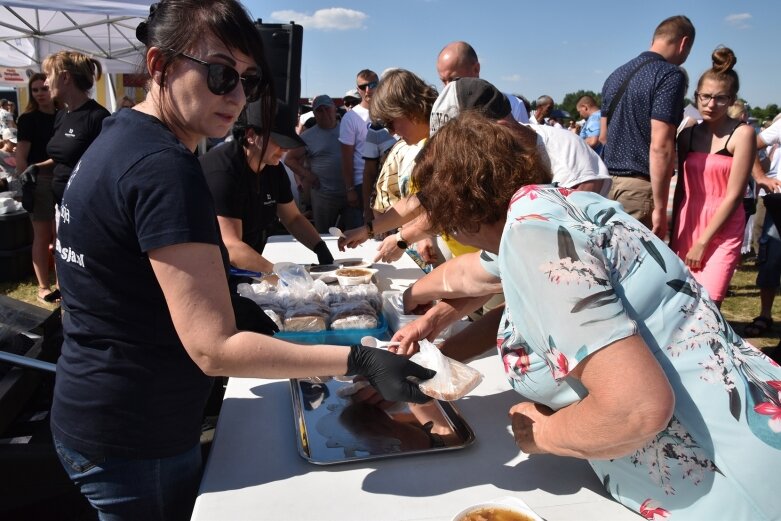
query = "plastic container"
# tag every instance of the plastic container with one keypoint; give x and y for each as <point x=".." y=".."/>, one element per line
<point x="354" y="276"/>
<point x="393" y="309"/>
<point x="343" y="337"/>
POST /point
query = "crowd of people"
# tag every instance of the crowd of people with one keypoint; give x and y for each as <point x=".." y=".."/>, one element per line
<point x="554" y="238"/>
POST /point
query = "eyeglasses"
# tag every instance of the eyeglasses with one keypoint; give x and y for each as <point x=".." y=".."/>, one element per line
<point x="40" y="89"/>
<point x="370" y="85"/>
<point x="721" y="100"/>
<point x="222" y="79"/>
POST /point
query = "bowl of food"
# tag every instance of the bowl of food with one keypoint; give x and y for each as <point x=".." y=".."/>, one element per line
<point x="354" y="276"/>
<point x="502" y="509"/>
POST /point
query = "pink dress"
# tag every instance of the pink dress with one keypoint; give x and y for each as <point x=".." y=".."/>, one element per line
<point x="706" y="177"/>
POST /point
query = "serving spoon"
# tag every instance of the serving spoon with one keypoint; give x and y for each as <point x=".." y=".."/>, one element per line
<point x="370" y="341"/>
<point x="336" y="232"/>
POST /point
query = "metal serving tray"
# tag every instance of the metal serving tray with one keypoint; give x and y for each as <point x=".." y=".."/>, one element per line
<point x="332" y="429"/>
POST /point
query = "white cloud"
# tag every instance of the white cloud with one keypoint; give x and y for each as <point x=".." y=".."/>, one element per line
<point x="739" y="20"/>
<point x="512" y="77"/>
<point x="331" y="19"/>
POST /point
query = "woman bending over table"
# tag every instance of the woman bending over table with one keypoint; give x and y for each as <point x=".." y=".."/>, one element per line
<point x="622" y="357"/>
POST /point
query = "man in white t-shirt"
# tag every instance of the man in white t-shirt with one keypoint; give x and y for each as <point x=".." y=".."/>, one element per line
<point x="352" y="136"/>
<point x="6" y="116"/>
<point x="459" y="60"/>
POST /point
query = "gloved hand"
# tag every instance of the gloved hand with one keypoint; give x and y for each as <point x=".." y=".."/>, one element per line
<point x="323" y="253"/>
<point x="30" y="174"/>
<point x="388" y="373"/>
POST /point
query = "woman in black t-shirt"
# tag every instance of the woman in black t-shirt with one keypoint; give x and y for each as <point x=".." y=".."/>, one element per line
<point x="35" y="128"/>
<point x="147" y="311"/>
<point x="70" y="75"/>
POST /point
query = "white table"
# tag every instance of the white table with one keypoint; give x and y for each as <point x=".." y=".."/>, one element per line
<point x="254" y="471"/>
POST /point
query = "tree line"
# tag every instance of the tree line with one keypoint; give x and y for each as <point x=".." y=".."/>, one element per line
<point x="571" y="99"/>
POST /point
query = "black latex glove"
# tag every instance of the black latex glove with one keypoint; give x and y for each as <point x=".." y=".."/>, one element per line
<point x="323" y="253"/>
<point x="388" y="372"/>
<point x="30" y="174"/>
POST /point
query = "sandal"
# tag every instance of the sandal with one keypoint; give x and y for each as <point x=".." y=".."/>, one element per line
<point x="758" y="327"/>
<point x="53" y="297"/>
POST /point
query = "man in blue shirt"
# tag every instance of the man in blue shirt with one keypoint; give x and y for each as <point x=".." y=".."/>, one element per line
<point x="642" y="104"/>
<point x="589" y="110"/>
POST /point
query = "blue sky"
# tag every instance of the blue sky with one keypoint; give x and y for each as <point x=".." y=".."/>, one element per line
<point x="531" y="48"/>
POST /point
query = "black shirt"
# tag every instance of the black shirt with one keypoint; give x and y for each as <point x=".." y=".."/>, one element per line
<point x="36" y="127"/>
<point x="74" y="131"/>
<point x="125" y="383"/>
<point x="240" y="193"/>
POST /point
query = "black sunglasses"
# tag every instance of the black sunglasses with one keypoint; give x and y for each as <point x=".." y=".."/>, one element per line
<point x="221" y="79"/>
<point x="371" y="85"/>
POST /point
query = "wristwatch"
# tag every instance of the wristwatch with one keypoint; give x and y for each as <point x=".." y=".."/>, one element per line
<point x="400" y="242"/>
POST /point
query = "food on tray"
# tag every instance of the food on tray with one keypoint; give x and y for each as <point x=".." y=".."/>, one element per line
<point x="453" y="380"/>
<point x="356" y="314"/>
<point x="309" y="323"/>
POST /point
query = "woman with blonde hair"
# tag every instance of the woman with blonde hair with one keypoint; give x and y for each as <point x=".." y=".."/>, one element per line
<point x="715" y="159"/>
<point x="35" y="129"/>
<point x="70" y="76"/>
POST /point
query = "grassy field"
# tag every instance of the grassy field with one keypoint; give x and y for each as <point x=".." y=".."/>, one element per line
<point x="740" y="306"/>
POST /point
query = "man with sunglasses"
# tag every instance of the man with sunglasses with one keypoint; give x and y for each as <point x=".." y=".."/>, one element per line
<point x="352" y="136"/>
<point x="251" y="189"/>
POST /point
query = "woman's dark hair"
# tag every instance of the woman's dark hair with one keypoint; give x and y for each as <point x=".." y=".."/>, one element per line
<point x="32" y="105"/>
<point x="176" y="26"/>
<point x="467" y="173"/>
<point x="723" y="60"/>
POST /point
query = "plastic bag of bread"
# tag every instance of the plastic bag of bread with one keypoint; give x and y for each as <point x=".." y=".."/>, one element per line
<point x="453" y="380"/>
<point x="306" y="316"/>
<point x="354" y="315"/>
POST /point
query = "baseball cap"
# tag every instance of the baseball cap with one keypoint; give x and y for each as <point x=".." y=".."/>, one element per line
<point x="283" y="126"/>
<point x="352" y="93"/>
<point x="468" y="93"/>
<point x="321" y="100"/>
<point x="9" y="134"/>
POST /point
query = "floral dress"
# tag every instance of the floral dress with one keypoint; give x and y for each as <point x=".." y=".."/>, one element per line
<point x="578" y="274"/>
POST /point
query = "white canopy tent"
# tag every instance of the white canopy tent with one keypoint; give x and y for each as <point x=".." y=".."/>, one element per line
<point x="30" y="30"/>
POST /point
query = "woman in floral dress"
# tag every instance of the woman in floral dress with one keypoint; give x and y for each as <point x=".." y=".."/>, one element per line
<point x="624" y="359"/>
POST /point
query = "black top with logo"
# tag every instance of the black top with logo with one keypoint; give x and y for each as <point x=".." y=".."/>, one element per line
<point x="74" y="131"/>
<point x="36" y="128"/>
<point x="240" y="193"/>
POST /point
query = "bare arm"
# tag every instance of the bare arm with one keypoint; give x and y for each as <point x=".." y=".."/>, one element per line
<point x="603" y="130"/>
<point x="22" y="150"/>
<point x="593" y="141"/>
<point x="758" y="172"/>
<point x="429" y="325"/>
<point x="742" y="161"/>
<point x="298" y="225"/>
<point x="417" y="230"/>
<point x="405" y="209"/>
<point x="624" y="409"/>
<point x="347" y="174"/>
<point x="201" y="311"/>
<point x="241" y="254"/>
<point x="661" y="158"/>
<point x="475" y="339"/>
<point x="462" y="276"/>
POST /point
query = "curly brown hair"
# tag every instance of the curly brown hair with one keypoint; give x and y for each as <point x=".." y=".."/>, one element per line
<point x="467" y="173"/>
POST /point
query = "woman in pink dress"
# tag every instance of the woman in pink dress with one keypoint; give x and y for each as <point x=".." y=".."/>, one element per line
<point x="715" y="158"/>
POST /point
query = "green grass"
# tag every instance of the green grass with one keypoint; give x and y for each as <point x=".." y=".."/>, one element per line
<point x="740" y="306"/>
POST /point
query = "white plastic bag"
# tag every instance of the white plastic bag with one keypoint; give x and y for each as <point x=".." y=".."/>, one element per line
<point x="453" y="380"/>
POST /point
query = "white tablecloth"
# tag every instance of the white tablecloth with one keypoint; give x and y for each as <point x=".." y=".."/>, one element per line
<point x="254" y="471"/>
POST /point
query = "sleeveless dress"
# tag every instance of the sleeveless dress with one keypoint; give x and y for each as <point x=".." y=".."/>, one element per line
<point x="706" y="177"/>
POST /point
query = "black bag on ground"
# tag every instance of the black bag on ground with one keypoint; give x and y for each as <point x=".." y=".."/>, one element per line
<point x="29" y="180"/>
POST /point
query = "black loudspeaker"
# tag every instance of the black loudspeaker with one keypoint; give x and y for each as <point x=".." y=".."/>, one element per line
<point x="282" y="43"/>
